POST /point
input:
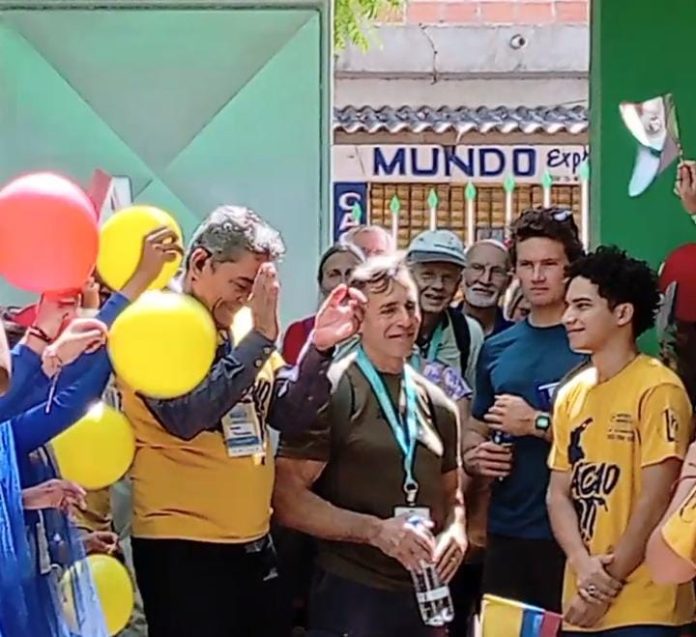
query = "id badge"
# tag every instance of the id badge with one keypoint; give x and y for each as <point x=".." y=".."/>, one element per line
<point x="448" y="379"/>
<point x="242" y="431"/>
<point x="420" y="512"/>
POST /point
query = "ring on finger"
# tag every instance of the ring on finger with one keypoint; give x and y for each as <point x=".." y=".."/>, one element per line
<point x="592" y="590"/>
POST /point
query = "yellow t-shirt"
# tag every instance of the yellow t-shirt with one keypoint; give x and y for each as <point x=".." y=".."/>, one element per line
<point x="605" y="433"/>
<point x="192" y="489"/>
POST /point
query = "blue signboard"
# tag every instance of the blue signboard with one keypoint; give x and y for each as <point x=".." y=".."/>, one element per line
<point x="349" y="196"/>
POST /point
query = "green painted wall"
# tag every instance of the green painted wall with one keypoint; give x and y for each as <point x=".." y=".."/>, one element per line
<point x="640" y="49"/>
<point x="198" y="106"/>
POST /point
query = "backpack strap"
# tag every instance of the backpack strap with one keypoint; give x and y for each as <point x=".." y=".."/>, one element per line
<point x="462" y="335"/>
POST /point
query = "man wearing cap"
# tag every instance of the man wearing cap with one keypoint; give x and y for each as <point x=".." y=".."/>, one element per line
<point x="437" y="259"/>
<point x="486" y="278"/>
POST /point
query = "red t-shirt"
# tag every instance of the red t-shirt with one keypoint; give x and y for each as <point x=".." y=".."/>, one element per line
<point x="295" y="338"/>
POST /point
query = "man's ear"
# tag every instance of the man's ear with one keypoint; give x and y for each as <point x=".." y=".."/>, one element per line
<point x="624" y="313"/>
<point x="197" y="261"/>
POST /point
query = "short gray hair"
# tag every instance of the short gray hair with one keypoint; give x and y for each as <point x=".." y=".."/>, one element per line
<point x="229" y="230"/>
<point x="489" y="242"/>
<point x="349" y="238"/>
<point x="378" y="274"/>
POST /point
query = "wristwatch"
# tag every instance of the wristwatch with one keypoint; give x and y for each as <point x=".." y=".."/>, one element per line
<point x="542" y="422"/>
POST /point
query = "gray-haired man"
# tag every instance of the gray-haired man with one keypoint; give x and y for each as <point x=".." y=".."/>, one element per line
<point x="204" y="469"/>
<point x="372" y="241"/>
<point x="436" y="259"/>
<point x="487" y="275"/>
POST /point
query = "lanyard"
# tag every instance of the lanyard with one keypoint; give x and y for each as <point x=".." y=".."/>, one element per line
<point x="416" y="359"/>
<point x="435" y="342"/>
<point x="405" y="430"/>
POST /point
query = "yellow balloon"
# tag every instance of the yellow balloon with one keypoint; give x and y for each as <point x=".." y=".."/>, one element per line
<point x="121" y="241"/>
<point x="97" y="450"/>
<point x="113" y="587"/>
<point x="163" y="344"/>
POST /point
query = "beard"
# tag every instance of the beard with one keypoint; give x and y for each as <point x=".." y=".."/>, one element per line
<point x="482" y="301"/>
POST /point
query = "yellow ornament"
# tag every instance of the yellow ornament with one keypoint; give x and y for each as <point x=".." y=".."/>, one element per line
<point x="163" y="345"/>
<point x="113" y="587"/>
<point x="97" y="450"/>
<point x="121" y="242"/>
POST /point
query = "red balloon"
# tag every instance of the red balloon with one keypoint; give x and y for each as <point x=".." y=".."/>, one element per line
<point x="49" y="237"/>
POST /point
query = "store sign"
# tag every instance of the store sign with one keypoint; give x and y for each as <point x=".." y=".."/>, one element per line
<point x="409" y="163"/>
<point x="348" y="197"/>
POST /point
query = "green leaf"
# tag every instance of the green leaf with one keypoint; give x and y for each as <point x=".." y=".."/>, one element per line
<point x="353" y="20"/>
<point x="395" y="205"/>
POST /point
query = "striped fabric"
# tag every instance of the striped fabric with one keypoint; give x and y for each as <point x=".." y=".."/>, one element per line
<point x="502" y="617"/>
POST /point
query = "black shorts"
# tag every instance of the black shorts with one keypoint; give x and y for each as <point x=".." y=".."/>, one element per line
<point x="528" y="571"/>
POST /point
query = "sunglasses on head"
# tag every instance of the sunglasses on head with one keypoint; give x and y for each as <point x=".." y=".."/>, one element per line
<point x="562" y="215"/>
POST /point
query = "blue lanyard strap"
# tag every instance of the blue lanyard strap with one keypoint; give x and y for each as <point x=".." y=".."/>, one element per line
<point x="405" y="430"/>
<point x="416" y="361"/>
<point x="435" y="342"/>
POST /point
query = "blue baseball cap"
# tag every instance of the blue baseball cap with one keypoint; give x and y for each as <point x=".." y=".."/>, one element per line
<point x="437" y="246"/>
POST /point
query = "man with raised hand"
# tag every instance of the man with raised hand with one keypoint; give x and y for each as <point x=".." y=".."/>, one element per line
<point x="204" y="467"/>
<point x="385" y="448"/>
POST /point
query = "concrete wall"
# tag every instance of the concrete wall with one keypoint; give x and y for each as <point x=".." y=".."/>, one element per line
<point x="425" y="54"/>
<point x="492" y="91"/>
<point x="441" y="51"/>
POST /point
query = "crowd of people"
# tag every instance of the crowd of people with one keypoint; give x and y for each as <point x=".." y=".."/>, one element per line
<point x="483" y="409"/>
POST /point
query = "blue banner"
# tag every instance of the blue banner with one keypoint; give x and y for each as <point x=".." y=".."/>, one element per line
<point x="346" y="195"/>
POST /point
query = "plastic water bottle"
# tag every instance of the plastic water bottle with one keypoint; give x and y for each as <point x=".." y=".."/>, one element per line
<point x="432" y="594"/>
<point x="501" y="438"/>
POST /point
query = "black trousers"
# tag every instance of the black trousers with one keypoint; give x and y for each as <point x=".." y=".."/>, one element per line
<point x="201" y="589"/>
<point x="342" y="608"/>
<point x="296" y="552"/>
<point x="465" y="589"/>
<point x="529" y="571"/>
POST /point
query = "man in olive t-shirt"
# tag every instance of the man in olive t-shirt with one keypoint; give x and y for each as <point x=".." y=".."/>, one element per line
<point x="345" y="481"/>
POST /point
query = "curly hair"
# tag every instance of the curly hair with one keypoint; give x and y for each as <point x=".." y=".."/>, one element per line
<point x="621" y="279"/>
<point x="229" y="230"/>
<point x="547" y="223"/>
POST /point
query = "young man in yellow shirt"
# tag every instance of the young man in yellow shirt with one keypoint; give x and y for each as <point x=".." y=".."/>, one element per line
<point x="621" y="427"/>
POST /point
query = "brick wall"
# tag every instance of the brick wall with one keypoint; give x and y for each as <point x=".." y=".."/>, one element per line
<point x="490" y="12"/>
